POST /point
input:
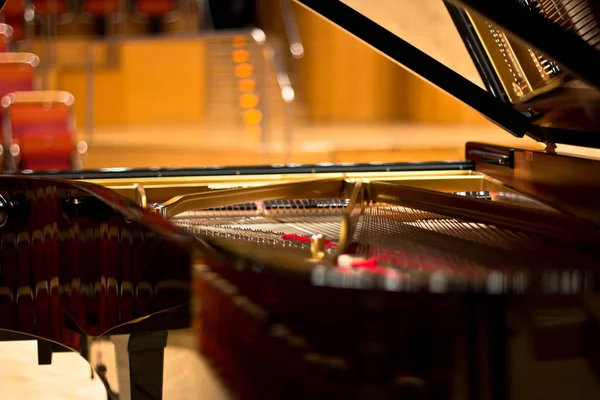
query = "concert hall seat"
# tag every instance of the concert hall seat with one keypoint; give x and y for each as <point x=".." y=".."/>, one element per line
<point x="17" y="72"/>
<point x="103" y="14"/>
<point x="6" y="34"/>
<point x="102" y="8"/>
<point x="39" y="131"/>
<point x="155" y="13"/>
<point x="50" y="7"/>
<point x="16" y="13"/>
<point x="226" y="15"/>
<point x="155" y="8"/>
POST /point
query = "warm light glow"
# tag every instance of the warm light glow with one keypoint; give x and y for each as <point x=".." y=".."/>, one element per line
<point x="252" y="117"/>
<point x="240" y="56"/>
<point x="239" y="41"/>
<point x="243" y="70"/>
<point x="14" y="150"/>
<point x="259" y="36"/>
<point x="254" y="132"/>
<point x="288" y="94"/>
<point x="247" y="85"/>
<point x="82" y="147"/>
<point x="297" y="50"/>
<point x="248" y="100"/>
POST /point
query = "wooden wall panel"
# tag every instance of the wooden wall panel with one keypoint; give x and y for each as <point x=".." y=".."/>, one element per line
<point x="345" y="80"/>
<point x="156" y="82"/>
<point x="164" y="81"/>
<point x="109" y="97"/>
<point x="340" y="79"/>
<point x="428" y="104"/>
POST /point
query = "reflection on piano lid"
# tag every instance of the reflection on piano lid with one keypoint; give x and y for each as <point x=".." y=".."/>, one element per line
<point x="77" y="257"/>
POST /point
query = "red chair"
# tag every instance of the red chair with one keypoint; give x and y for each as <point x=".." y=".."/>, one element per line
<point x="50" y="7"/>
<point x="17" y="72"/>
<point x="6" y="35"/>
<point x="155" y="8"/>
<point x="18" y="14"/>
<point x="156" y="13"/>
<point x="40" y="132"/>
<point x="107" y="16"/>
<point x="102" y="8"/>
<point x="51" y="14"/>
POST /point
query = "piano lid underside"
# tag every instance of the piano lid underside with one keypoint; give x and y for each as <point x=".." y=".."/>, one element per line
<point x="538" y="59"/>
<point x="523" y="71"/>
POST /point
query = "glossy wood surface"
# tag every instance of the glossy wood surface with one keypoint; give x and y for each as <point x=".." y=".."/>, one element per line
<point x="568" y="183"/>
<point x="79" y="259"/>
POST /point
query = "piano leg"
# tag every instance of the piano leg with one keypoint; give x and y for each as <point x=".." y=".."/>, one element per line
<point x="44" y="347"/>
<point x="85" y="352"/>
<point x="45" y="350"/>
<point x="146" y="364"/>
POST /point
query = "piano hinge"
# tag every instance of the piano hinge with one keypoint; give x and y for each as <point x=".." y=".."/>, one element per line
<point x="531" y="113"/>
<point x="550" y="148"/>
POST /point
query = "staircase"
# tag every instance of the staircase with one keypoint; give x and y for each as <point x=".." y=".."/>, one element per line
<point x="243" y="92"/>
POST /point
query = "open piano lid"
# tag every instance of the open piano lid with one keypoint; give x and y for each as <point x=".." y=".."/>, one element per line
<point x="534" y="67"/>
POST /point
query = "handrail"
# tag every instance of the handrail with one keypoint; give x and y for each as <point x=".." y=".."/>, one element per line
<point x="286" y="90"/>
<point x="291" y="29"/>
<point x="283" y="79"/>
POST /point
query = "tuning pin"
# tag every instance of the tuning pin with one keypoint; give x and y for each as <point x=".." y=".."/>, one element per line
<point x="317" y="246"/>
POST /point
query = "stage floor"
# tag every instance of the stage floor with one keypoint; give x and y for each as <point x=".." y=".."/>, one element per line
<point x="200" y="145"/>
<point x="68" y="377"/>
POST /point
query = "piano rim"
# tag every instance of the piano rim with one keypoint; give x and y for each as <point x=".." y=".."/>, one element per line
<point x="161" y="189"/>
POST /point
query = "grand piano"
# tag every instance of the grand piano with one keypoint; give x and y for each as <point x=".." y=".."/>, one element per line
<point x="471" y="279"/>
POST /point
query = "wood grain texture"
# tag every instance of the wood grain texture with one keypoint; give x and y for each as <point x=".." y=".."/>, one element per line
<point x="343" y="79"/>
<point x="156" y="82"/>
<point x="427" y="25"/>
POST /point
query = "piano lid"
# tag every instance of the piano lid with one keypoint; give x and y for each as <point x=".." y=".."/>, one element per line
<point x="530" y="66"/>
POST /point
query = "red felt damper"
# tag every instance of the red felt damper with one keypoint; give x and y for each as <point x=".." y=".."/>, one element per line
<point x="305" y="239"/>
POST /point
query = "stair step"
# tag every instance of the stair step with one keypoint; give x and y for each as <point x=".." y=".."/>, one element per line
<point x="232" y="94"/>
<point x="229" y="112"/>
<point x="223" y="94"/>
<point x="232" y="90"/>
<point x="229" y="108"/>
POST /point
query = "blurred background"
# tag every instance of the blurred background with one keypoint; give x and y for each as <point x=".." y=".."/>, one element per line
<point x="230" y="82"/>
